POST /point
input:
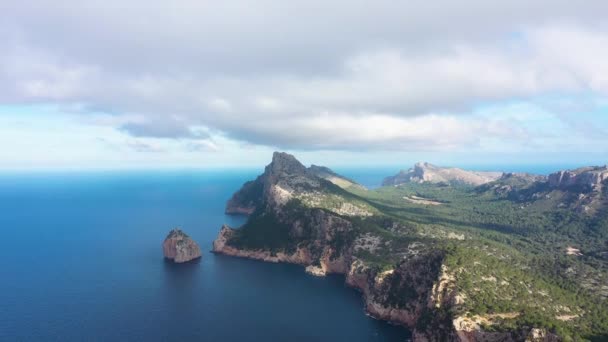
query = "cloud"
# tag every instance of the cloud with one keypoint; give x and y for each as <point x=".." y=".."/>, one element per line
<point x="308" y="74"/>
<point x="140" y="146"/>
<point x="202" y="146"/>
<point x="167" y="128"/>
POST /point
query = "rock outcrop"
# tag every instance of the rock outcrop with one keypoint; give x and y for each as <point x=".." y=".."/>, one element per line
<point x="285" y="178"/>
<point x="516" y="186"/>
<point x="244" y="201"/>
<point x="425" y="172"/>
<point x="589" y="177"/>
<point x="582" y="190"/>
<point x="179" y="247"/>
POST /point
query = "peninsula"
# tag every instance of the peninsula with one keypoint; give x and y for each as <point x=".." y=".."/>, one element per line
<point x="471" y="257"/>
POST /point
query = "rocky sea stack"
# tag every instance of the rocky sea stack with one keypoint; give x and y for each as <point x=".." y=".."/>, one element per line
<point x="179" y="247"/>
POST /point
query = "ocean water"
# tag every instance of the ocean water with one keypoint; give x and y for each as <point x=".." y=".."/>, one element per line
<point x="81" y="260"/>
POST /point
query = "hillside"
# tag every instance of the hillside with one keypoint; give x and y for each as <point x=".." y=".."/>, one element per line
<point x="451" y="261"/>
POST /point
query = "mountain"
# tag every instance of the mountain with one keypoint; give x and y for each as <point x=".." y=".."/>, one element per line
<point x="581" y="190"/>
<point x="587" y="178"/>
<point x="328" y="174"/>
<point x="285" y="178"/>
<point x="488" y="263"/>
<point x="425" y="172"/>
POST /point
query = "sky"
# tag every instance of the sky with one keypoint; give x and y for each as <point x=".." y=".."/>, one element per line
<point x="212" y="84"/>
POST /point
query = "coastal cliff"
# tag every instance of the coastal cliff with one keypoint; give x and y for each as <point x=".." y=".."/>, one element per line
<point x="434" y="281"/>
<point x="398" y="295"/>
<point x="323" y="240"/>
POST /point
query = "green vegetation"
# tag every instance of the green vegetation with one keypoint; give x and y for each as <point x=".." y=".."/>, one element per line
<point x="507" y="256"/>
<point x="505" y="252"/>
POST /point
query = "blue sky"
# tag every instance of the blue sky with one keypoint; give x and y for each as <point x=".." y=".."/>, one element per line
<point x="86" y="85"/>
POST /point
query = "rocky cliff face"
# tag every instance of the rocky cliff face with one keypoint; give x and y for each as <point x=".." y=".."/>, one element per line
<point x="179" y="247"/>
<point x="323" y="239"/>
<point x="425" y="172"/>
<point x="310" y="229"/>
<point x="280" y="179"/>
<point x="514" y="185"/>
<point x="583" y="190"/>
<point x="244" y="201"/>
<point x="399" y="295"/>
<point x="286" y="179"/>
<point x="328" y="174"/>
<point x="588" y="177"/>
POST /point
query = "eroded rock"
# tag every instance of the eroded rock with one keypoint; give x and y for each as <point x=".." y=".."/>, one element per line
<point x="179" y="247"/>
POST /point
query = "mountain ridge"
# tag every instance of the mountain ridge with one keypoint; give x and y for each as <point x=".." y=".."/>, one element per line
<point x="426" y="172"/>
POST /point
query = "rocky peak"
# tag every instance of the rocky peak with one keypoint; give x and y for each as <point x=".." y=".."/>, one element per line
<point x="285" y="163"/>
<point x="283" y="178"/>
<point x="177" y="233"/>
<point x="286" y="179"/>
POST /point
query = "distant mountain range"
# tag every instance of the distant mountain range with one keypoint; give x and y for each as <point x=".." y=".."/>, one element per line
<point x="425" y="172"/>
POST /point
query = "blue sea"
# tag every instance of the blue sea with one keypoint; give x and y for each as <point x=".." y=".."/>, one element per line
<point x="81" y="260"/>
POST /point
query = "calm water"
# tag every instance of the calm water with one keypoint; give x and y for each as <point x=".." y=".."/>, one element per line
<point x="81" y="259"/>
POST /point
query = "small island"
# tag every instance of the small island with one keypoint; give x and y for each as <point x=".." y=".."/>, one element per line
<point x="179" y="247"/>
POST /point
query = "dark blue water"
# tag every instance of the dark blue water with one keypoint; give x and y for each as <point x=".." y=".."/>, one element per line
<point x="81" y="259"/>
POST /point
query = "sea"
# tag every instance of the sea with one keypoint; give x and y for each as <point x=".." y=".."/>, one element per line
<point x="81" y="260"/>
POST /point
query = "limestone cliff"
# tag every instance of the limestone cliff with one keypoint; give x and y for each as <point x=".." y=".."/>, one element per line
<point x="328" y="174"/>
<point x="299" y="217"/>
<point x="583" y="190"/>
<point x="586" y="177"/>
<point x="285" y="178"/>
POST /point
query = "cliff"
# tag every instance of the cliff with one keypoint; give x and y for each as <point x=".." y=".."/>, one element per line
<point x="586" y="177"/>
<point x="438" y="282"/>
<point x="328" y="174"/>
<point x="304" y="219"/>
<point x="582" y="190"/>
<point x="285" y="179"/>
<point x="399" y="295"/>
<point x="179" y="247"/>
<point x="428" y="173"/>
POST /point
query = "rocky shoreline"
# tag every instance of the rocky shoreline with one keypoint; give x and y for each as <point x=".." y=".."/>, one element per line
<point x="296" y="218"/>
<point x="357" y="277"/>
<point x="372" y="284"/>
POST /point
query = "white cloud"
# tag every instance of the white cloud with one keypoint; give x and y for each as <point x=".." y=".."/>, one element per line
<point x="305" y="74"/>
